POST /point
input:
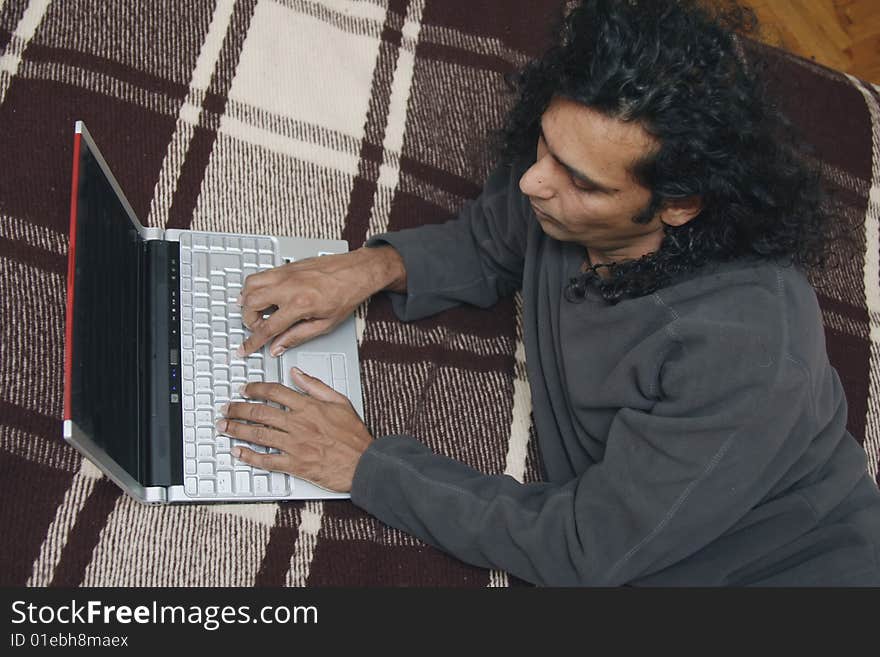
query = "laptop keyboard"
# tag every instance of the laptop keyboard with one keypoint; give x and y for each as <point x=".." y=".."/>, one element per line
<point x="212" y="272"/>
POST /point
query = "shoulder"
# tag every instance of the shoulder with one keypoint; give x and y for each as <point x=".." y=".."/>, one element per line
<point x="745" y="316"/>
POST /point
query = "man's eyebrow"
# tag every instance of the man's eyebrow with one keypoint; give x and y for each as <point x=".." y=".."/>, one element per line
<point x="580" y="175"/>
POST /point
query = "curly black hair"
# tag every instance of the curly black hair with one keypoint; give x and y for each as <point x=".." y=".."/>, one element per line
<point x="678" y="69"/>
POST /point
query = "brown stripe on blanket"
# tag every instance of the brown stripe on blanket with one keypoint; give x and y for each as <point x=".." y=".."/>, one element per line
<point x="192" y="171"/>
<point x="84" y="535"/>
<point x="10" y="15"/>
<point x="34" y="256"/>
<point x="88" y="62"/>
<point x="363" y="192"/>
<point x="31" y="421"/>
<point x="27" y="513"/>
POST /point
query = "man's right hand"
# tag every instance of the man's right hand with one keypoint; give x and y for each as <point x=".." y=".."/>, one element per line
<point x="313" y="296"/>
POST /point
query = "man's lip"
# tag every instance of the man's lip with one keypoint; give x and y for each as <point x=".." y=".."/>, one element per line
<point x="540" y="212"/>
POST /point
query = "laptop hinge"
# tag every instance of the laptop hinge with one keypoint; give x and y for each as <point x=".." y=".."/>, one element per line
<point x="162" y="432"/>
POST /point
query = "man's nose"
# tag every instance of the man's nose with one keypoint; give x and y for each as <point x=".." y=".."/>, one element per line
<point x="536" y="181"/>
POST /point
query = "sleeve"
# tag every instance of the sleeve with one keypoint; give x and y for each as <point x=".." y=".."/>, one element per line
<point x="733" y="413"/>
<point x="476" y="258"/>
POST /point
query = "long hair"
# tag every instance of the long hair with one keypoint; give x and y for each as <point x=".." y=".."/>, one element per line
<point x="678" y="69"/>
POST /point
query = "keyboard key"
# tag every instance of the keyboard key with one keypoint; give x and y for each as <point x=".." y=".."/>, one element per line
<point x="186" y="284"/>
<point x="189" y="451"/>
<point x="221" y="392"/>
<point x="186" y="256"/>
<point x="200" y="265"/>
<point x="199" y="241"/>
<point x="278" y="482"/>
<point x="224" y="482"/>
<point x="267" y="261"/>
<point x="224" y="461"/>
<point x="233" y="244"/>
<point x="222" y="261"/>
<point x="206" y="487"/>
<point x="248" y="244"/>
<point x="191" y="486"/>
<point x="242" y="482"/>
<point x="265" y="245"/>
<point x="204" y="401"/>
<point x="218" y="281"/>
<point x="187" y="342"/>
<point x="190" y="466"/>
<point x="189" y="434"/>
<point x="189" y="419"/>
<point x="206" y="469"/>
<point x="203" y="418"/>
<point x="200" y="287"/>
<point x="261" y="485"/>
<point x="216" y="243"/>
<point x="206" y="452"/>
<point x="205" y="434"/>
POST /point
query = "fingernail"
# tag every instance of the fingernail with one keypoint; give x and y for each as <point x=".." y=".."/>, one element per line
<point x="296" y="370"/>
<point x="222" y="424"/>
<point x="240" y="352"/>
<point x="277" y="351"/>
<point x="236" y="452"/>
<point x="224" y="409"/>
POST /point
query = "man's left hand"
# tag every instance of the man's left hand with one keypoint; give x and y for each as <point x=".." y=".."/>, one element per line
<point x="319" y="434"/>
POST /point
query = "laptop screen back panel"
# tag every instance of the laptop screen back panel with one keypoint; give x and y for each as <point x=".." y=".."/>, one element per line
<point x="103" y="361"/>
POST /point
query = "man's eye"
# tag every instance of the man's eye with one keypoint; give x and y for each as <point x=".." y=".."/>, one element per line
<point x="582" y="187"/>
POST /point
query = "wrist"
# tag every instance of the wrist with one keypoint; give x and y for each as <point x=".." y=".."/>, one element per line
<point x="387" y="269"/>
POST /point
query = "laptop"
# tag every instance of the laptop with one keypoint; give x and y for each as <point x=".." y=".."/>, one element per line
<point x="152" y="330"/>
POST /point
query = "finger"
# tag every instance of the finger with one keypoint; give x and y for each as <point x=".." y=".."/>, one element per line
<point x="275" y="462"/>
<point x="315" y="388"/>
<point x="274" y="392"/>
<point x="253" y="433"/>
<point x="259" y="298"/>
<point x="259" y="413"/>
<point x="298" y="333"/>
<point x="264" y="330"/>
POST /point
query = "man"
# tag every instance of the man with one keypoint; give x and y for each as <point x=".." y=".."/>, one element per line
<point x="691" y="427"/>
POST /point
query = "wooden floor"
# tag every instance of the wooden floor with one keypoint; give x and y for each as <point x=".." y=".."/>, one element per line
<point x="842" y="34"/>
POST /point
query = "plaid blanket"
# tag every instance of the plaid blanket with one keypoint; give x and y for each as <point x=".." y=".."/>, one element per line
<point x="318" y="118"/>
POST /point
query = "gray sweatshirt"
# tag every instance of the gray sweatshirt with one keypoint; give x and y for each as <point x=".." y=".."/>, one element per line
<point x="695" y="436"/>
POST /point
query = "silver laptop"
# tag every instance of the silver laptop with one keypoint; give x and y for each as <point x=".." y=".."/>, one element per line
<point x="152" y="329"/>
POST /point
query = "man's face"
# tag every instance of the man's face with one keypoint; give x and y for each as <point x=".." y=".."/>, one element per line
<point x="581" y="188"/>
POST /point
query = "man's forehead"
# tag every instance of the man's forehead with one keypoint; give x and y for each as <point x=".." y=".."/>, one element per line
<point x="594" y="143"/>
